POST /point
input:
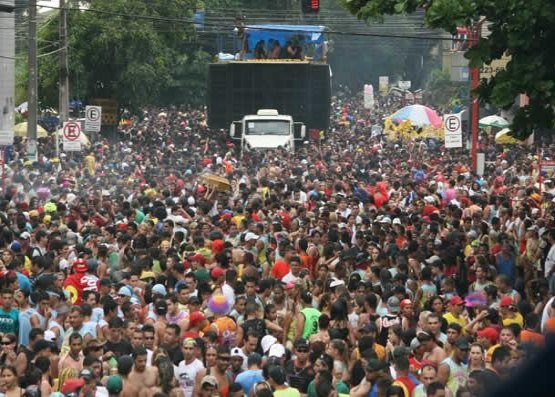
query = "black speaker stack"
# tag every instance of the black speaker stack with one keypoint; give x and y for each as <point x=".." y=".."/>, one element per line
<point x="299" y="89"/>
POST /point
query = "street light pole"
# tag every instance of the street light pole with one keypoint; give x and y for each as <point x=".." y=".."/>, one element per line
<point x="64" y="71"/>
<point x="33" y="85"/>
<point x="475" y="34"/>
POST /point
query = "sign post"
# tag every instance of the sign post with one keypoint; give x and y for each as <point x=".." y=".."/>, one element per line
<point x="452" y="127"/>
<point x="71" y="138"/>
<point x="93" y="118"/>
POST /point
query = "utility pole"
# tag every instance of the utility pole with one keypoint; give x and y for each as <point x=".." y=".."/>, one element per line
<point x="63" y="96"/>
<point x="475" y="32"/>
<point x="33" y="86"/>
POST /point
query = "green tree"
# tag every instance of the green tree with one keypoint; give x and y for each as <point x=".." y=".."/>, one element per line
<point x="114" y="52"/>
<point x="523" y="29"/>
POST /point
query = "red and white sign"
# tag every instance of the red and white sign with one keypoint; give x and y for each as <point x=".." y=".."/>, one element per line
<point x="72" y="136"/>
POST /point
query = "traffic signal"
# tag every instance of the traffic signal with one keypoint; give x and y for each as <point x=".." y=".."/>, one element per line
<point x="310" y="6"/>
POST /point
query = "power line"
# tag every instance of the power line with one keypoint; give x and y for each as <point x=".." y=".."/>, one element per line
<point x="332" y="32"/>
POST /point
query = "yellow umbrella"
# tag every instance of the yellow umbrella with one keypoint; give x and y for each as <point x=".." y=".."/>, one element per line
<point x="503" y="138"/>
<point x="82" y="137"/>
<point x="21" y="130"/>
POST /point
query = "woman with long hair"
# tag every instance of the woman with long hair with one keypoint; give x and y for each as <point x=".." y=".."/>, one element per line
<point x="340" y="327"/>
<point x="210" y="355"/>
<point x="476" y="357"/>
<point x="8" y="381"/>
<point x="339" y="351"/>
<point x="9" y="355"/>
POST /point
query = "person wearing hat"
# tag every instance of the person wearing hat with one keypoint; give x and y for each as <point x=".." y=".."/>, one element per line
<point x="219" y="372"/>
<point x="454" y="312"/>
<point x="388" y="320"/>
<point x="299" y="370"/>
<point x="76" y="283"/>
<point x="208" y="385"/>
<point x="114" y="385"/>
<point x="236" y="366"/>
<point x="509" y="312"/>
<point x="453" y="371"/>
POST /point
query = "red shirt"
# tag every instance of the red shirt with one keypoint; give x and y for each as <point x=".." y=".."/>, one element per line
<point x="280" y="269"/>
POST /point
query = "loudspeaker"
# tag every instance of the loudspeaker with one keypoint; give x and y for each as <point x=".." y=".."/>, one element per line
<point x="301" y="90"/>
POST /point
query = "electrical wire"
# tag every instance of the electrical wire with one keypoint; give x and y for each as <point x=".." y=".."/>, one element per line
<point x="166" y="19"/>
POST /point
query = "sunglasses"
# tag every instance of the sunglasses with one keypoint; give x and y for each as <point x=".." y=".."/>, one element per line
<point x="5" y="343"/>
<point x="302" y="350"/>
<point x="224" y="358"/>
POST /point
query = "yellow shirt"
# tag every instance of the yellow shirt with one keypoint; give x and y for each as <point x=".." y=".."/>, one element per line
<point x="517" y="319"/>
<point x="452" y="319"/>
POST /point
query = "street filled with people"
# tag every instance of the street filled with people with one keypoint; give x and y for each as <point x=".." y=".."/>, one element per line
<point x="355" y="266"/>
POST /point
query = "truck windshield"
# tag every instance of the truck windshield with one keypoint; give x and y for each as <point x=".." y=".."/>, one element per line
<point x="268" y="127"/>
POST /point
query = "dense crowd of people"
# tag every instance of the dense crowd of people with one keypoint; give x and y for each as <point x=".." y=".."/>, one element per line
<point x="354" y="266"/>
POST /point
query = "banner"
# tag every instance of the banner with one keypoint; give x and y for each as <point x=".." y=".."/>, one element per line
<point x="368" y="96"/>
<point x="384" y="85"/>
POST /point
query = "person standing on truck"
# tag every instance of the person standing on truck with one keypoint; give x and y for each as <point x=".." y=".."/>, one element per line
<point x="259" y="51"/>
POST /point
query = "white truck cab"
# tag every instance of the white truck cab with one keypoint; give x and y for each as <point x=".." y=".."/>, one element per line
<point x="267" y="129"/>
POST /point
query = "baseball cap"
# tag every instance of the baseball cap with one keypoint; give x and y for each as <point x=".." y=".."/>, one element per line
<point x="251" y="236"/>
<point x="489" y="333"/>
<point x="277" y="350"/>
<point x="267" y="342"/>
<point x="415" y="344"/>
<point x="159" y="289"/>
<point x="114" y="384"/>
<point x="301" y="343"/>
<point x="80" y="265"/>
<point x="456" y="300"/>
<point x="86" y="374"/>
<point x="336" y="283"/>
<point x="506" y="301"/>
<point x="196" y="318"/>
<point x="404" y="303"/>
<point x="125" y="292"/>
<point x="217" y="272"/>
<point x="24" y="236"/>
<point x="236" y="352"/>
<point x="72" y="385"/>
<point x="209" y="380"/>
<point x="49" y="336"/>
<point x="393" y="304"/>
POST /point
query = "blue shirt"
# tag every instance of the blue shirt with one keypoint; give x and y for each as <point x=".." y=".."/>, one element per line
<point x="9" y="321"/>
<point x="25" y="325"/>
<point x="23" y="281"/>
<point x="248" y="379"/>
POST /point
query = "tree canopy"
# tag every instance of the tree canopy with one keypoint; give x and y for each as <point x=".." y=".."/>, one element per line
<point x="136" y="51"/>
<point x="523" y="30"/>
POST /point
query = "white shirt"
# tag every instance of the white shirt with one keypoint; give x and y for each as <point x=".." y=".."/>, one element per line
<point x="229" y="294"/>
<point x="545" y="313"/>
<point x="186" y="374"/>
<point x="550" y="260"/>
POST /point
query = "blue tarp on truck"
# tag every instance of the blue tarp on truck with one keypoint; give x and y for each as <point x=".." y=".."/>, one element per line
<point x="306" y="34"/>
